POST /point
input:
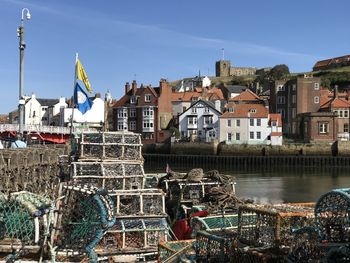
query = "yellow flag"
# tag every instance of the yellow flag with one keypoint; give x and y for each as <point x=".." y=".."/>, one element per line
<point x="82" y="76"/>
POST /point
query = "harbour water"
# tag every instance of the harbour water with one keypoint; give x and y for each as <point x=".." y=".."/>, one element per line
<point x="287" y="184"/>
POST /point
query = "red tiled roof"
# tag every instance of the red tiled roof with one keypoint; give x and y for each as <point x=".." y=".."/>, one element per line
<point x="177" y="96"/>
<point x="217" y="92"/>
<point x="242" y="110"/>
<point x="276" y="133"/>
<point x="336" y="103"/>
<point x="276" y="117"/>
<point x="121" y="102"/>
<point x="246" y="95"/>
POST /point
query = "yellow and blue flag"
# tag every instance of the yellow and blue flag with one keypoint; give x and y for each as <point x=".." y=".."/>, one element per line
<point x="81" y="99"/>
<point x="81" y="74"/>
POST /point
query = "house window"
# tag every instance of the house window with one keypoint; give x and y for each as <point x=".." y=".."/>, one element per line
<point x="316" y="86"/>
<point x="346" y="127"/>
<point x="238" y="136"/>
<point x="206" y="109"/>
<point x="132" y="112"/>
<point x="229" y="136"/>
<point x="147" y="123"/>
<point x="133" y="100"/>
<point x="251" y="121"/>
<point x="132" y="125"/>
<point x="294" y="112"/>
<point x="147" y="97"/>
<point x="281" y="100"/>
<point x="281" y="88"/>
<point x="122" y="113"/>
<point x="192" y="120"/>
<point x="121" y="126"/>
<point x="194" y="98"/>
<point x="294" y="87"/>
<point x="252" y="110"/>
<point x="323" y="127"/>
<point x="316" y="100"/>
<point x="147" y="111"/>
<point x="294" y="98"/>
<point x="251" y="135"/>
<point x="228" y="123"/>
<point x="230" y="110"/>
<point x="183" y="109"/>
<point x="238" y="123"/>
<point x="346" y="114"/>
<point x="258" y="122"/>
<point x="282" y="112"/>
<point x="258" y="135"/>
<point x="274" y="123"/>
<point x="208" y="120"/>
<point x="194" y="110"/>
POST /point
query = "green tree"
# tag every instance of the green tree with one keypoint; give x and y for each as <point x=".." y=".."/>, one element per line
<point x="279" y="72"/>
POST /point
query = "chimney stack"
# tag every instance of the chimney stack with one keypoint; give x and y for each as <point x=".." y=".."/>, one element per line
<point x="134" y="87"/>
<point x="335" y="91"/>
<point x="127" y="87"/>
<point x="162" y="85"/>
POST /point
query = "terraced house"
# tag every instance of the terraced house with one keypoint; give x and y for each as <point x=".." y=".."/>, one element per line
<point x="246" y="120"/>
<point x="146" y="110"/>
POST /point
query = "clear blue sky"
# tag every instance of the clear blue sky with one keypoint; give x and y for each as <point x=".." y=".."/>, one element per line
<point x="117" y="40"/>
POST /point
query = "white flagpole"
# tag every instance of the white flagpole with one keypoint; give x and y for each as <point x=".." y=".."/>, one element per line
<point x="74" y="84"/>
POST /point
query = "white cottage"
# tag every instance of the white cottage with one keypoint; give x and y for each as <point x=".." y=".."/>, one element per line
<point x="249" y="123"/>
<point x="200" y="121"/>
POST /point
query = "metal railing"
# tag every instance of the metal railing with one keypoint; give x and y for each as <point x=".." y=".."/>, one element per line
<point x="41" y="128"/>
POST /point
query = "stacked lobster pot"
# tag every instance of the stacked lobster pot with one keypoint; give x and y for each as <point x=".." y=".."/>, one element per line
<point x="112" y="161"/>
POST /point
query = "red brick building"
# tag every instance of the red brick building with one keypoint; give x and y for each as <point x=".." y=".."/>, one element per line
<point x="294" y="97"/>
<point x="146" y="110"/>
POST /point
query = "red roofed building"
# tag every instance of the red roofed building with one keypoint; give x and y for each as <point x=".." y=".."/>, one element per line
<point x="331" y="63"/>
<point x="146" y="110"/>
<point x="244" y="122"/>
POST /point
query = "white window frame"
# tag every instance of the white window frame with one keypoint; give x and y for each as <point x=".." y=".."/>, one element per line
<point x="323" y="127"/>
<point x="194" y="110"/>
<point x="258" y="135"/>
<point x="229" y="123"/>
<point x="238" y="136"/>
<point x="132" y="125"/>
<point x="208" y="119"/>
<point x="147" y="111"/>
<point x="251" y="135"/>
<point x="251" y="122"/>
<point x="229" y="136"/>
<point x="132" y="112"/>
<point x="316" y="86"/>
<point x="238" y="123"/>
<point x="258" y="122"/>
<point x="147" y="123"/>
<point x="316" y="100"/>
<point x="281" y="99"/>
<point x="147" y="97"/>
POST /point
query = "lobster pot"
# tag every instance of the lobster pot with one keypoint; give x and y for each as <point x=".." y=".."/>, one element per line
<point x="139" y="203"/>
<point x="333" y="215"/>
<point x="109" y="175"/>
<point x="215" y="223"/>
<point x="253" y="255"/>
<point x="216" y="246"/>
<point x="271" y="226"/>
<point x="188" y="191"/>
<point x="172" y="250"/>
<point x="110" y="145"/>
<point x="23" y="221"/>
<point x="135" y="236"/>
<point x="84" y="214"/>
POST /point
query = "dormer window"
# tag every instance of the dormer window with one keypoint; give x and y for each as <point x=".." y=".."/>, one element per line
<point x="147" y="97"/>
<point x="252" y="110"/>
<point x="231" y="110"/>
<point x="194" y="98"/>
<point x="133" y="100"/>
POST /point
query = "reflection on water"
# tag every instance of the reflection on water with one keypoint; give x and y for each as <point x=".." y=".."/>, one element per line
<point x="288" y="184"/>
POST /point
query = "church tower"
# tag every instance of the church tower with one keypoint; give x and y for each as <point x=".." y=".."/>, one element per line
<point x="222" y="68"/>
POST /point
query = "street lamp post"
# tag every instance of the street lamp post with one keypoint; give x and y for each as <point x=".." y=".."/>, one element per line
<point x="22" y="45"/>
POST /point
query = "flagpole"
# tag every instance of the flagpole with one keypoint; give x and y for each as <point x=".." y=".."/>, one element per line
<point x="73" y="106"/>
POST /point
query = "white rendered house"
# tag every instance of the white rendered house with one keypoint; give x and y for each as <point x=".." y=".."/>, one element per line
<point x="200" y="121"/>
